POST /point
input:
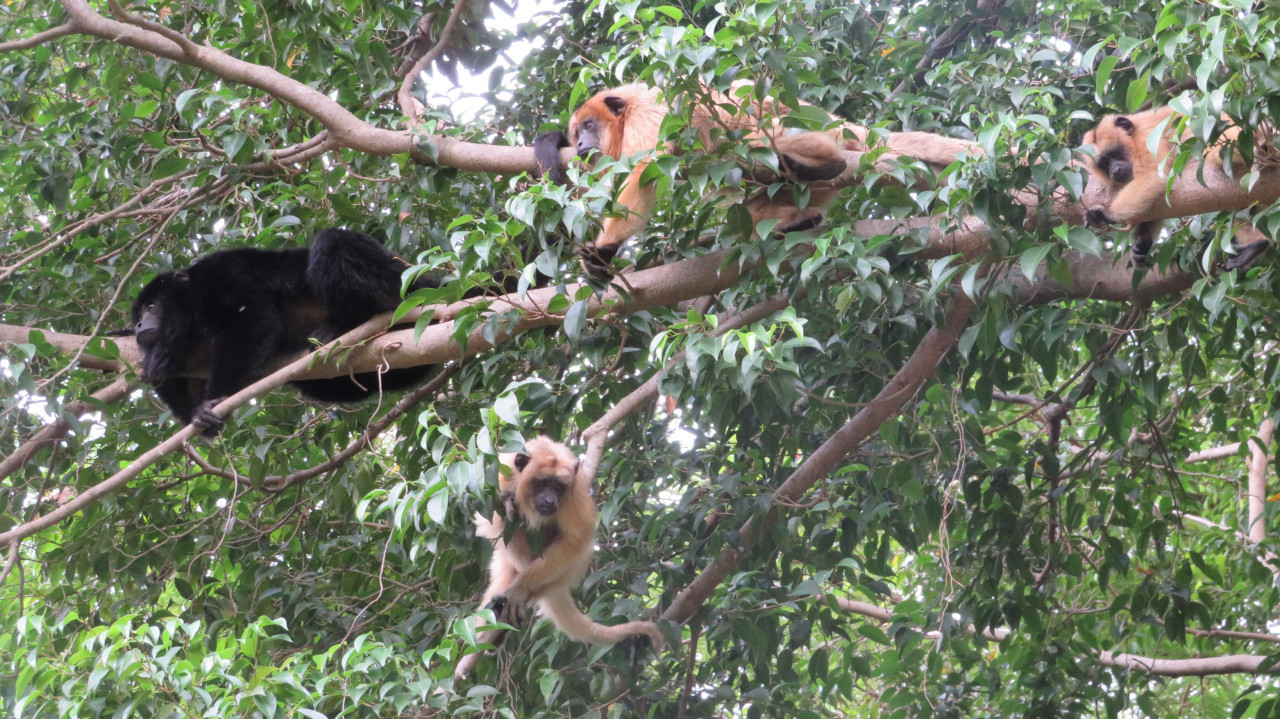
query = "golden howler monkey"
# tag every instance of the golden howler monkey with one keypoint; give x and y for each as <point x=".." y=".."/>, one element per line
<point x="626" y="121"/>
<point x="1125" y="165"/>
<point x="547" y="496"/>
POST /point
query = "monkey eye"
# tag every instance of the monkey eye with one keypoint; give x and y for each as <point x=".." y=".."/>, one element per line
<point x="588" y="124"/>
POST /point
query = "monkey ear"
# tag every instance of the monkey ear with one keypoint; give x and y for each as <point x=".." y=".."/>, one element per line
<point x="1125" y="124"/>
<point x="181" y="276"/>
<point x="615" y="104"/>
<point x="521" y="461"/>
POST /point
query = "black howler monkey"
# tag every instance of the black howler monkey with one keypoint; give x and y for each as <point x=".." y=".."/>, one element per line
<point x="234" y="312"/>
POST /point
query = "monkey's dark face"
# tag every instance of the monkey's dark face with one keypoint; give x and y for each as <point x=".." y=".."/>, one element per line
<point x="146" y="328"/>
<point x="546" y="493"/>
<point x="587" y="135"/>
<point x="1116" y="163"/>
<point x="1114" y="142"/>
<point x="148" y="312"/>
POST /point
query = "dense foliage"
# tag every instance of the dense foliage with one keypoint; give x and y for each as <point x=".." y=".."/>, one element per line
<point x="1072" y="529"/>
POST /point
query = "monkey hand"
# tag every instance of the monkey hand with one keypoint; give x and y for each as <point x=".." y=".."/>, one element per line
<point x="1097" y="217"/>
<point x="596" y="259"/>
<point x="204" y="418"/>
<point x="510" y="607"/>
<point x="509" y="506"/>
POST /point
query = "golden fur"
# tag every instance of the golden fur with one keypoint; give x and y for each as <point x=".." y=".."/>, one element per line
<point x="1136" y="180"/>
<point x="626" y="121"/>
<point x="519" y="575"/>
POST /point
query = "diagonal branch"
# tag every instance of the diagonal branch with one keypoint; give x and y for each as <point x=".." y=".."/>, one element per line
<point x="52" y="433"/>
<point x="39" y="38"/>
<point x="917" y="370"/>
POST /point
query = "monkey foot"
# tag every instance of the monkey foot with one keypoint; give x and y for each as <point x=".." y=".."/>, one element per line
<point x="204" y="418"/>
<point x="801" y="220"/>
<point x="1097" y="218"/>
<point x="506" y="611"/>
<point x="1248" y="254"/>
<point x="596" y="260"/>
<point x="808" y="172"/>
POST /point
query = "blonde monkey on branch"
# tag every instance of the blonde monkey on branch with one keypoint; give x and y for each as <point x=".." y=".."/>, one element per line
<point x="545" y="493"/>
<point x="1136" y="179"/>
<point x="627" y="120"/>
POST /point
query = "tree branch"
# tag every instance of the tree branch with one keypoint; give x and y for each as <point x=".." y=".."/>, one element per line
<point x="1199" y="667"/>
<point x="1257" y="492"/>
<point x="39" y="38"/>
<point x="917" y="370"/>
<point x="51" y="433"/>
<point x="405" y="96"/>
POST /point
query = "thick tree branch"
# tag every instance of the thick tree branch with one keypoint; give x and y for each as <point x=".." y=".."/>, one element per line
<point x="1259" y="463"/>
<point x="1206" y="455"/>
<point x="344" y="127"/>
<point x="918" y="369"/>
<point x="11" y="335"/>
<point x="1199" y="667"/>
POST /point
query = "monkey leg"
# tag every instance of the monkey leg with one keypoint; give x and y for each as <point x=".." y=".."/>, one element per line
<point x="782" y="207"/>
<point x="501" y="574"/>
<point x="639" y="201"/>
<point x="809" y="156"/>
<point x="1249" y="243"/>
<point x="1144" y="236"/>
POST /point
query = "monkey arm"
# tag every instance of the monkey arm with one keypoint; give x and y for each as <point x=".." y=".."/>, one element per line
<point x="1136" y="199"/>
<point x="560" y="563"/>
<point x="639" y="201"/>
<point x="489" y="528"/>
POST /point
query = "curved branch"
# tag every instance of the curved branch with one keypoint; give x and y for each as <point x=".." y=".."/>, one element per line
<point x="917" y="370"/>
<point x="405" y="95"/>
<point x="344" y="127"/>
<point x="39" y="38"/>
<point x="51" y="433"/>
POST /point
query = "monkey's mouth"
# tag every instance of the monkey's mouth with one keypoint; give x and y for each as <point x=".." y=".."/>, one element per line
<point x="146" y="338"/>
<point x="545" y="509"/>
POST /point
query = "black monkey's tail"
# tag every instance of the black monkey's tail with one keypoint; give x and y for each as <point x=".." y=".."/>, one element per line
<point x="546" y="150"/>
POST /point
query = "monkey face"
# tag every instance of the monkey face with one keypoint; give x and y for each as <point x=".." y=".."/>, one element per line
<point x="587" y="136"/>
<point x="593" y="128"/>
<point x="147" y="327"/>
<point x="1114" y="142"/>
<point x="545" y="493"/>
<point x="147" y="314"/>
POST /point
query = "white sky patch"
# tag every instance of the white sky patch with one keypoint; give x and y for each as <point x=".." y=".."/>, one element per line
<point x="463" y="101"/>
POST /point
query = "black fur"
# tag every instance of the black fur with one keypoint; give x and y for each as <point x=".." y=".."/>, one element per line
<point x="234" y="312"/>
<point x="546" y="150"/>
